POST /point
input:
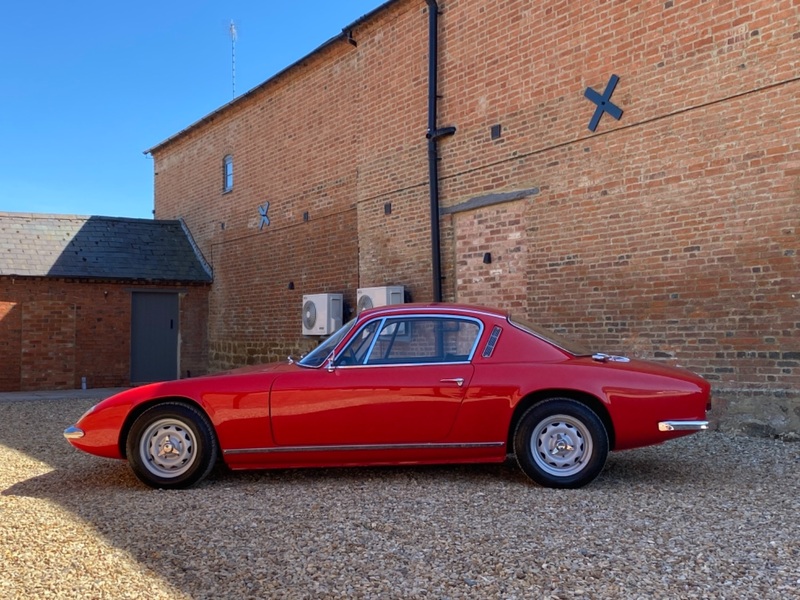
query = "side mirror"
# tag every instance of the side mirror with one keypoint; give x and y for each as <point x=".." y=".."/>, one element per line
<point x="330" y="367"/>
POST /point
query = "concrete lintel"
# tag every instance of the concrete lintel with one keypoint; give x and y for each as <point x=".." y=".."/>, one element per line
<point x="489" y="200"/>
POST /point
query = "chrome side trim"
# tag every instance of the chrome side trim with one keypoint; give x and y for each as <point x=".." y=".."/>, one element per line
<point x="73" y="433"/>
<point x="389" y="366"/>
<point x="364" y="447"/>
<point x="420" y="316"/>
<point x="682" y="425"/>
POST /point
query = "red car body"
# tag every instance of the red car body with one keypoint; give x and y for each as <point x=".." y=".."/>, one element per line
<point x="382" y="409"/>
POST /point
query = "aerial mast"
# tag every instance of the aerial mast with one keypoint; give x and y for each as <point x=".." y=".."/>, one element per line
<point x="232" y="31"/>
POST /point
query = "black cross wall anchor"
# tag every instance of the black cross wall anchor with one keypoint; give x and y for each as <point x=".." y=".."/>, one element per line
<point x="603" y="102"/>
<point x="262" y="210"/>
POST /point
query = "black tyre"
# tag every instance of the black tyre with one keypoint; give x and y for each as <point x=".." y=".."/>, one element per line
<point x="561" y="443"/>
<point x="171" y="445"/>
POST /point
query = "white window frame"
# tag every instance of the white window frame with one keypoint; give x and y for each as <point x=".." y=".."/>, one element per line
<point x="227" y="173"/>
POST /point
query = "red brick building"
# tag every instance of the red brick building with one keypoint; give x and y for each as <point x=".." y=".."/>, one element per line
<point x="99" y="301"/>
<point x="670" y="233"/>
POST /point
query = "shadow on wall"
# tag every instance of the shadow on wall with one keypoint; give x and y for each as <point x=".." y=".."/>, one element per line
<point x="10" y="344"/>
<point x="37" y="344"/>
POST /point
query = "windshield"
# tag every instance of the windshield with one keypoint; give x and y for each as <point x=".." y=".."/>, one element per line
<point x="567" y="344"/>
<point x="317" y="356"/>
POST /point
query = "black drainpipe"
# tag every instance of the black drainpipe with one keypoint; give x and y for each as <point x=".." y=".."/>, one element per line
<point x="433" y="136"/>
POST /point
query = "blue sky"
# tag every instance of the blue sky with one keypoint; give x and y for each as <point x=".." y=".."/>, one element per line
<point x="87" y="86"/>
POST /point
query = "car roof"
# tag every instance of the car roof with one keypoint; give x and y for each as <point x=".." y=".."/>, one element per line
<point x="434" y="308"/>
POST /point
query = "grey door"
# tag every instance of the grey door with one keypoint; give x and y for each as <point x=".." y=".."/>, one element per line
<point x="154" y="337"/>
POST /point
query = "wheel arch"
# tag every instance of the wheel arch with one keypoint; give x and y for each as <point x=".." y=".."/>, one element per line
<point x="534" y="398"/>
<point x="139" y="409"/>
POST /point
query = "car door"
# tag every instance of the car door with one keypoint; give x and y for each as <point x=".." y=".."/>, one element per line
<point x="398" y="381"/>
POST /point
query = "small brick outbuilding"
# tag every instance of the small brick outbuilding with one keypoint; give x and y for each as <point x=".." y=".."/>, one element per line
<point x="99" y="301"/>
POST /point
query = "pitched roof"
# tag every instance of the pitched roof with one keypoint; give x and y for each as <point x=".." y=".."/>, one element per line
<point x="39" y="245"/>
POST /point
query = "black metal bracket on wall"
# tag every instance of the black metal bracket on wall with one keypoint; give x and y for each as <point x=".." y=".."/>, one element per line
<point x="440" y="133"/>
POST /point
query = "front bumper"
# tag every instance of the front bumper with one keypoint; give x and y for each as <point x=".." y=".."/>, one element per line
<point x="682" y="425"/>
<point x="73" y="433"/>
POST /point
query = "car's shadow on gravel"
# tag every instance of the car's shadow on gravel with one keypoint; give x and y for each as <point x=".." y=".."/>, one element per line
<point x="86" y="475"/>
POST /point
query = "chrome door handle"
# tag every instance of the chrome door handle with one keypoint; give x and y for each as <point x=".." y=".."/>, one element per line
<point x="458" y="380"/>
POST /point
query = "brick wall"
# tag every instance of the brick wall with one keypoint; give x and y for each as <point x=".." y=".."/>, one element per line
<point x="10" y="344"/>
<point x="260" y="280"/>
<point x="670" y="234"/>
<point x="48" y="345"/>
<point x="490" y="257"/>
<point x="54" y="332"/>
<point x="392" y="152"/>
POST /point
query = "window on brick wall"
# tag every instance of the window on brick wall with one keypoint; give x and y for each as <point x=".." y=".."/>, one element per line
<point x="227" y="173"/>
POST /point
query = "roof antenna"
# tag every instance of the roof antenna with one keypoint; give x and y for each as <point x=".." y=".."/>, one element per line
<point x="232" y="31"/>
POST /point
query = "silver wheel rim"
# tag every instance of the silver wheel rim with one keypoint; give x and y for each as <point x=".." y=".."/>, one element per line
<point x="561" y="445"/>
<point x="168" y="448"/>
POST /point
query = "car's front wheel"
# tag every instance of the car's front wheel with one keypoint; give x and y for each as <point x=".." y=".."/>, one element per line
<point x="561" y="443"/>
<point x="171" y="445"/>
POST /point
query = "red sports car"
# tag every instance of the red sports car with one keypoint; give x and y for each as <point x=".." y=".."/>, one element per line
<point x="404" y="384"/>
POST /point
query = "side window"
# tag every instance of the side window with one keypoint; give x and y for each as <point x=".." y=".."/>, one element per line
<point x="356" y="351"/>
<point x="227" y="173"/>
<point x="460" y="338"/>
<point x="424" y="341"/>
<point x="403" y="341"/>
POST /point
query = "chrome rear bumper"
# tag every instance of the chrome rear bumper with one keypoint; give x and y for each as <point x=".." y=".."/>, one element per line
<point x="73" y="433"/>
<point x="682" y="425"/>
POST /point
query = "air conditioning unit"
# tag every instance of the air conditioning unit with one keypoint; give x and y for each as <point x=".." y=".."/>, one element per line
<point x="379" y="296"/>
<point x="322" y="313"/>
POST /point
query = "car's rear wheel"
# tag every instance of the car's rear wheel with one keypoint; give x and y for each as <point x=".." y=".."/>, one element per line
<point x="171" y="445"/>
<point x="561" y="443"/>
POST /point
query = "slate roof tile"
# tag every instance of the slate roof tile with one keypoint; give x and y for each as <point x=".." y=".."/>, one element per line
<point x="40" y="245"/>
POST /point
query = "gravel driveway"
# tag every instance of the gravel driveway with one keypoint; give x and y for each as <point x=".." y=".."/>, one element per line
<point x="709" y="516"/>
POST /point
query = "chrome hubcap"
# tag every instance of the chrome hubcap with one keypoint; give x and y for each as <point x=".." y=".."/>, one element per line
<point x="561" y="445"/>
<point x="167" y="448"/>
